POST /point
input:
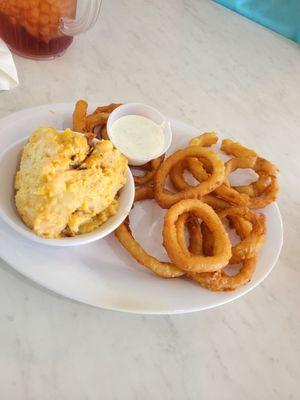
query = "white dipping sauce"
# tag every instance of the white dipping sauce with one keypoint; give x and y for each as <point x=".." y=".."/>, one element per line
<point x="137" y="137"/>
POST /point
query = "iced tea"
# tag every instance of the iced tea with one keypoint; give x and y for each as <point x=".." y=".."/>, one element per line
<point x="31" y="28"/>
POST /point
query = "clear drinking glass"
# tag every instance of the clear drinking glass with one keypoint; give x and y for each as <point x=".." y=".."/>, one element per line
<point x="44" y="29"/>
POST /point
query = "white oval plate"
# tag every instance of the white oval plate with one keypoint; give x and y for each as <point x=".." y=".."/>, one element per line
<point x="102" y="274"/>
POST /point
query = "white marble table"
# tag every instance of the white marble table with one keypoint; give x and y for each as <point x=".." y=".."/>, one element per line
<point x="210" y="67"/>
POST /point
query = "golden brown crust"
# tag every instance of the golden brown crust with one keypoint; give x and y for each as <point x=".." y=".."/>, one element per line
<point x="79" y="116"/>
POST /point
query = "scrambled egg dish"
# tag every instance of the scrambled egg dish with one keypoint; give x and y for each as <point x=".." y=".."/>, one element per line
<point x="66" y="187"/>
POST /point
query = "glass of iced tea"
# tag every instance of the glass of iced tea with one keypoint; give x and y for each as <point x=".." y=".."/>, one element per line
<point x="44" y="29"/>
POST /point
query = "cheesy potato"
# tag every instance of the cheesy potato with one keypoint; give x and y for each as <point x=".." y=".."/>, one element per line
<point x="66" y="187"/>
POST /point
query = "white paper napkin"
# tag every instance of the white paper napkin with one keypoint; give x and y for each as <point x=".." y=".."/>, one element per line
<point x="8" y="73"/>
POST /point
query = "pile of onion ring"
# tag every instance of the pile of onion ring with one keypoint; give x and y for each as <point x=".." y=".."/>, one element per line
<point x="196" y="224"/>
<point x="199" y="216"/>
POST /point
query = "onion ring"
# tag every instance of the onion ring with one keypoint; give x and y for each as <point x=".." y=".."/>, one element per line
<point x="267" y="196"/>
<point x="182" y="257"/>
<point x="256" y="195"/>
<point x="201" y="173"/>
<point x="242" y="227"/>
<point x="206" y="139"/>
<point x="125" y="237"/>
<point x="79" y="116"/>
<point x="94" y="120"/>
<point x="260" y="194"/>
<point x="165" y="198"/>
<point x="163" y="269"/>
<point x="224" y="191"/>
<point x="149" y="175"/>
<point x="103" y="133"/>
<point x="194" y="229"/>
<point x="207" y="240"/>
<point x="250" y="245"/>
<point x="236" y="149"/>
<point x="221" y="281"/>
<point x="176" y="174"/>
<point x="264" y="191"/>
<point x="218" y="280"/>
<point x="107" y="109"/>
<point x="143" y="193"/>
<point x="249" y="226"/>
<point x="146" y="166"/>
<point x="215" y="202"/>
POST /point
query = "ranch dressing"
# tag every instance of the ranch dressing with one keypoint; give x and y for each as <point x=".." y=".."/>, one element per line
<point x="137" y="137"/>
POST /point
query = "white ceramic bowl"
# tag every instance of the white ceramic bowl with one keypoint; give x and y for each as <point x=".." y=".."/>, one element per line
<point x="144" y="111"/>
<point x="9" y="163"/>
